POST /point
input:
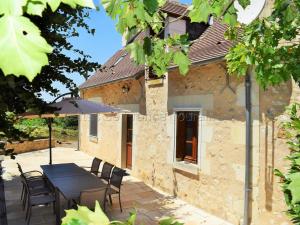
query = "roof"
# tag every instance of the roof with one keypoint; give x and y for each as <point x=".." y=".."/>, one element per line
<point x="210" y="45"/>
<point x="175" y="8"/>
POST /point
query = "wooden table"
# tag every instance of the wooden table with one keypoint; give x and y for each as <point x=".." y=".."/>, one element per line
<point x="69" y="179"/>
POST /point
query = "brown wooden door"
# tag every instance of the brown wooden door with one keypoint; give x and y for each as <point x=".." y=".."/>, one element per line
<point x="129" y="129"/>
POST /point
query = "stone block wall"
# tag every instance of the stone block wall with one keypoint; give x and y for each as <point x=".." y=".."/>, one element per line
<point x="28" y="146"/>
<point x="108" y="145"/>
<point x="216" y="184"/>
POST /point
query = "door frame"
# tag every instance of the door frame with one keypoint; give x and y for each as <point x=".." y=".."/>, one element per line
<point x="124" y="141"/>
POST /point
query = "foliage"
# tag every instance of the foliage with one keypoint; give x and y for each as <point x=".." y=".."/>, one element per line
<point x="84" y="216"/>
<point x="20" y="38"/>
<point x="7" y="130"/>
<point x="291" y="180"/>
<point x="271" y="45"/>
<point x="18" y="94"/>
<point x="67" y="122"/>
<point x="62" y="128"/>
<point x="135" y="16"/>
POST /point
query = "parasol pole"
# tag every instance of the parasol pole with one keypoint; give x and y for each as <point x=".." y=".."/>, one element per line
<point x="50" y="140"/>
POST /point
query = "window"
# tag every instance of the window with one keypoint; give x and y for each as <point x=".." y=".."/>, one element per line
<point x="195" y="30"/>
<point x="94" y="125"/>
<point x="120" y="59"/>
<point x="175" y="26"/>
<point x="187" y="136"/>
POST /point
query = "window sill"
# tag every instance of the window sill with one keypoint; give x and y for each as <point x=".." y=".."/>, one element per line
<point x="187" y="167"/>
<point x="94" y="139"/>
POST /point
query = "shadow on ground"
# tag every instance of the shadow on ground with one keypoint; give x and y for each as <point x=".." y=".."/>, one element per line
<point x="151" y="205"/>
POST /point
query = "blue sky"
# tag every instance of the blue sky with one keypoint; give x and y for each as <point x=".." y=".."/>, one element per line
<point x="100" y="47"/>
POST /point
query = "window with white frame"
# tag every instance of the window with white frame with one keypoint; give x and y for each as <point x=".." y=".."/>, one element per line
<point x="187" y="136"/>
<point x="94" y="125"/>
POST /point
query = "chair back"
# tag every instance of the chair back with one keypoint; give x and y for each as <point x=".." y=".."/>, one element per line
<point x="106" y="171"/>
<point x="95" y="166"/>
<point x="20" y="168"/>
<point x="117" y="177"/>
<point x="22" y="174"/>
<point x="89" y="197"/>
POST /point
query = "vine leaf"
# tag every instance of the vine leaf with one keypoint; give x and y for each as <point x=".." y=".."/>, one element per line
<point x="182" y="61"/>
<point x="83" y="3"/>
<point x="244" y="3"/>
<point x="200" y="11"/>
<point x="23" y="50"/>
<point x="294" y="187"/>
<point x="112" y="7"/>
<point x="34" y="7"/>
<point x="12" y="7"/>
<point x="84" y="216"/>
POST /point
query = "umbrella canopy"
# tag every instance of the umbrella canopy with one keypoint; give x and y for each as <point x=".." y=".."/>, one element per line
<point x="69" y="107"/>
<point x="72" y="106"/>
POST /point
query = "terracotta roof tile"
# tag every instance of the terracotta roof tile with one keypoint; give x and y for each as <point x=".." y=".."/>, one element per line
<point x="210" y="45"/>
<point x="174" y="8"/>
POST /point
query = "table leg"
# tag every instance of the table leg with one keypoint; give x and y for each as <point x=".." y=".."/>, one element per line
<point x="57" y="207"/>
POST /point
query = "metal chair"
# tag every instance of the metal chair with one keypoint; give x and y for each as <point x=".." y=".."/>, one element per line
<point x="89" y="197"/>
<point x="115" y="184"/>
<point x="30" y="174"/>
<point x="37" y="199"/>
<point x="35" y="182"/>
<point x="95" y="166"/>
<point x="106" y="171"/>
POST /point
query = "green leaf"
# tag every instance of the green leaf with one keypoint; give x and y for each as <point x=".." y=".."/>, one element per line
<point x="244" y="3"/>
<point x="279" y="173"/>
<point x="84" y="216"/>
<point x="34" y="7"/>
<point x="201" y="12"/>
<point x="294" y="187"/>
<point x="136" y="52"/>
<point x="112" y="7"/>
<point x="182" y="61"/>
<point x="12" y="7"/>
<point x="230" y="17"/>
<point x="23" y="50"/>
<point x="169" y="221"/>
<point x="54" y="4"/>
<point x="147" y="46"/>
<point x="132" y="218"/>
<point x="83" y="3"/>
<point x="151" y="6"/>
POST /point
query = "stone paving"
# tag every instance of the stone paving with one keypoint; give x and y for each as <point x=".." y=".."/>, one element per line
<point x="150" y="204"/>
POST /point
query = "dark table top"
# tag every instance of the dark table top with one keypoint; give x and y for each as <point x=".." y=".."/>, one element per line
<point x="70" y="179"/>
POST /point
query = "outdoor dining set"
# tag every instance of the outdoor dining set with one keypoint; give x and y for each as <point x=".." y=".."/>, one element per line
<point x="67" y="185"/>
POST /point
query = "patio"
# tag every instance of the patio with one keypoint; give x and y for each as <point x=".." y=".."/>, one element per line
<point x="151" y="205"/>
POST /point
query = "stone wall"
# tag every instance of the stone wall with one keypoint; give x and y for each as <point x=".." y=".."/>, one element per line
<point x="28" y="146"/>
<point x="108" y="144"/>
<point x="216" y="184"/>
<point x="273" y="150"/>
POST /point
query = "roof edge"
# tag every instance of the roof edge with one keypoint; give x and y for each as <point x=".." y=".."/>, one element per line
<point x="135" y="76"/>
<point x="138" y="75"/>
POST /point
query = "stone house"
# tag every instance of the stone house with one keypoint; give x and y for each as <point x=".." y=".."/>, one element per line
<point x="186" y="134"/>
